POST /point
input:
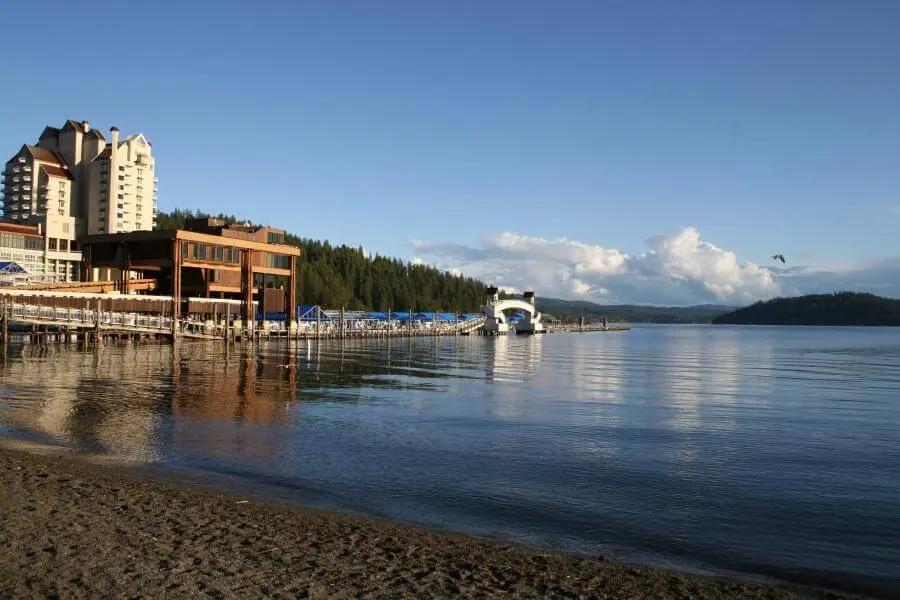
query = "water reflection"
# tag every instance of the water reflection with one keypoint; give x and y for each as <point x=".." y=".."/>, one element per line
<point x="631" y="445"/>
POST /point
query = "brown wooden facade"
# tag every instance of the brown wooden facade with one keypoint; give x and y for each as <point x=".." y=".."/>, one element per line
<point x="217" y="262"/>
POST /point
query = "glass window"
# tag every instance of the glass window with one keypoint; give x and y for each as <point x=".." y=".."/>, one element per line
<point x="64" y="245"/>
<point x="51" y="243"/>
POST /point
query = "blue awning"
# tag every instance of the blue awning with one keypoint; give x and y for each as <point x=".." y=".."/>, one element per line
<point x="9" y="268"/>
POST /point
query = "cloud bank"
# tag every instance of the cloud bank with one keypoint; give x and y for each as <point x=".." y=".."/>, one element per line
<point x="678" y="268"/>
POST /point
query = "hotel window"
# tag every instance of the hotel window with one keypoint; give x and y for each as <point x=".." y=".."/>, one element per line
<point x="121" y="178"/>
<point x="121" y="169"/>
<point x="51" y="243"/>
<point x="64" y="245"/>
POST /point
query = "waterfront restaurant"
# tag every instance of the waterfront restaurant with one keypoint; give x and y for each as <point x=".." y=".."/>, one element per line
<point x="207" y="259"/>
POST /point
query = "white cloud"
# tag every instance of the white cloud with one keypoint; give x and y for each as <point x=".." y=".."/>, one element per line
<point x="677" y="268"/>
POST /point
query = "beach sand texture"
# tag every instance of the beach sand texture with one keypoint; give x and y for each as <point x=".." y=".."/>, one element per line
<point x="73" y="529"/>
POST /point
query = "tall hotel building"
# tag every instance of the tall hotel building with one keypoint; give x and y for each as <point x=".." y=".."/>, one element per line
<point x="72" y="183"/>
<point x="75" y="173"/>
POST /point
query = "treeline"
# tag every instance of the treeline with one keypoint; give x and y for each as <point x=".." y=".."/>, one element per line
<point x="573" y="310"/>
<point x="842" y="308"/>
<point x="335" y="276"/>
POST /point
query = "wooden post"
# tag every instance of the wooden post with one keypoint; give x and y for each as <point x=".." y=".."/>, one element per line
<point x="126" y="269"/>
<point x="409" y="323"/>
<point x="227" y="318"/>
<point x="291" y="295"/>
<point x="247" y="290"/>
<point x="318" y="320"/>
<point x="176" y="285"/>
<point x="342" y="322"/>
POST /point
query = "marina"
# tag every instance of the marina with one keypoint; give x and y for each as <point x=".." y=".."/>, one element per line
<point x="55" y="314"/>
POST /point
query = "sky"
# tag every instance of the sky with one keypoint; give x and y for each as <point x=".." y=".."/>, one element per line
<point x="616" y="151"/>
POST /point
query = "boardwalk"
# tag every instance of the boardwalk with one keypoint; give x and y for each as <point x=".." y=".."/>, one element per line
<point x="105" y="314"/>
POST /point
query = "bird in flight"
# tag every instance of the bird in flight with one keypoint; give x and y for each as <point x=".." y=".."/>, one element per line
<point x="778" y="257"/>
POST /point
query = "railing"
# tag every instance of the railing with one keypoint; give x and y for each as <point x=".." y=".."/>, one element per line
<point x="91" y="318"/>
<point x="88" y="317"/>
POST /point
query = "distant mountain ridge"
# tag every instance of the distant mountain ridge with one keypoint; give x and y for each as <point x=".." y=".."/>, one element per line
<point x="842" y="308"/>
<point x="631" y="313"/>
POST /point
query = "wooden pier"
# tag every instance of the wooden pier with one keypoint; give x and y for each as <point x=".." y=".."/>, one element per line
<point x="68" y="315"/>
<point x="103" y="315"/>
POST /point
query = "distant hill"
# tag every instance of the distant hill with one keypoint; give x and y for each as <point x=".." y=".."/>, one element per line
<point x="631" y="313"/>
<point x="843" y="308"/>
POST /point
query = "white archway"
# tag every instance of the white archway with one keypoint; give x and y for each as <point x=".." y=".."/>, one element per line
<point x="495" y="319"/>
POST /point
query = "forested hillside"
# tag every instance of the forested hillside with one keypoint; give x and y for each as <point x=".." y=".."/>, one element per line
<point x="843" y="308"/>
<point x="335" y="276"/>
<point x="572" y="310"/>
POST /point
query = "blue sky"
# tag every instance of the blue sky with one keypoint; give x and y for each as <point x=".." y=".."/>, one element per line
<point x="407" y="126"/>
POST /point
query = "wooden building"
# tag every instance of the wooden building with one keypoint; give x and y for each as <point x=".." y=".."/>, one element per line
<point x="207" y="259"/>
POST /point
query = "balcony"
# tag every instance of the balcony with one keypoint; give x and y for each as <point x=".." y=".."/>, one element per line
<point x="27" y="168"/>
<point x="22" y="160"/>
<point x="26" y="177"/>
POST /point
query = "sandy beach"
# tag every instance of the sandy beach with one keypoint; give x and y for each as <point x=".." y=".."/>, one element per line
<point x="70" y="528"/>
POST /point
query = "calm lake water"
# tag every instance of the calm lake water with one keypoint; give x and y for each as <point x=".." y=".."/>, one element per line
<point x="757" y="450"/>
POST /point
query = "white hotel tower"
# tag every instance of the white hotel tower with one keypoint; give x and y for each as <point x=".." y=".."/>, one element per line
<point x="73" y="172"/>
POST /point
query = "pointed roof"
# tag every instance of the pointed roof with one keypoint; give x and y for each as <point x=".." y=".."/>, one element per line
<point x="49" y="131"/>
<point x="105" y="154"/>
<point x="72" y="124"/>
<point x="54" y="171"/>
<point x="44" y="155"/>
<point x="96" y="133"/>
<point x="10" y="267"/>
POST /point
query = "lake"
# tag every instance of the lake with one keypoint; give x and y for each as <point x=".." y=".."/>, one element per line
<point x="765" y="451"/>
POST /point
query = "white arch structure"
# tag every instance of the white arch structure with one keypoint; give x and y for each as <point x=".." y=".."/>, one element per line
<point x="495" y="319"/>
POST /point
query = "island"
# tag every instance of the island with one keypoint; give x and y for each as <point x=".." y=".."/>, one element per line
<point x="841" y="308"/>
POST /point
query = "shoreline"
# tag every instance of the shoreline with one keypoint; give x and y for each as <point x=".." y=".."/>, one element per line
<point x="86" y="526"/>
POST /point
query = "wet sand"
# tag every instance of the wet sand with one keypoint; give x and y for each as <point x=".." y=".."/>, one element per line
<point x="70" y="529"/>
